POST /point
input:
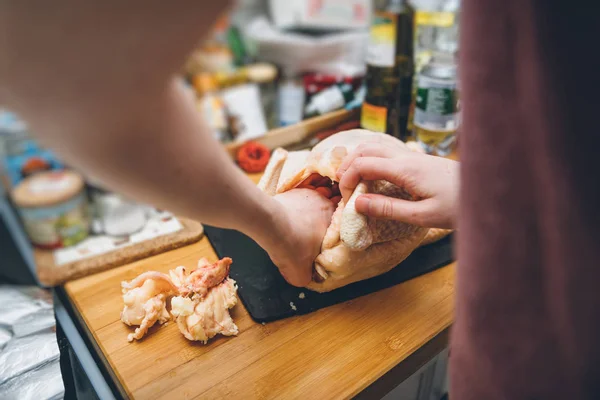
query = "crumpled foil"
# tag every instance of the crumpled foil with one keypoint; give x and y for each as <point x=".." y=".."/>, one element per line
<point x="5" y="336"/>
<point x="23" y="354"/>
<point x="25" y="310"/>
<point x="29" y="355"/>
<point x="43" y="383"/>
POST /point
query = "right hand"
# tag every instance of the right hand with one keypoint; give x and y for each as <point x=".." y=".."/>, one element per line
<point x="432" y="181"/>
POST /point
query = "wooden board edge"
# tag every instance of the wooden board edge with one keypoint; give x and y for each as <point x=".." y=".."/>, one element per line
<point x="407" y="367"/>
<point x="295" y="133"/>
<point x="51" y="275"/>
<point x="73" y="309"/>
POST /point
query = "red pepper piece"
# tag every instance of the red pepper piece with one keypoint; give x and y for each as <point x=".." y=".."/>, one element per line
<point x="253" y="157"/>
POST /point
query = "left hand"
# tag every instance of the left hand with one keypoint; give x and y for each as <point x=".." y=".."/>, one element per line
<point x="305" y="217"/>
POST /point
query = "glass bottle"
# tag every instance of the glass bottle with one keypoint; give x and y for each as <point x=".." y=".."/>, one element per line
<point x="390" y="70"/>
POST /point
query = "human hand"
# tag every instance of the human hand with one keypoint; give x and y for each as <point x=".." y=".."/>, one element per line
<point x="432" y="181"/>
<point x="305" y="217"/>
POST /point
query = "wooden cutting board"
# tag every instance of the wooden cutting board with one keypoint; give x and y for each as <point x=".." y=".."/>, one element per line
<point x="333" y="353"/>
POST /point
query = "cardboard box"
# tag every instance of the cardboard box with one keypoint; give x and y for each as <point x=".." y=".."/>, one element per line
<point x="321" y="14"/>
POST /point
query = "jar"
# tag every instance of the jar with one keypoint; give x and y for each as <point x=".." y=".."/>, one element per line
<point x="53" y="208"/>
<point x="116" y="215"/>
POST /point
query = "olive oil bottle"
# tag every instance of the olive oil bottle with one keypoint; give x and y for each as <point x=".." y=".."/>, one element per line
<point x="390" y="68"/>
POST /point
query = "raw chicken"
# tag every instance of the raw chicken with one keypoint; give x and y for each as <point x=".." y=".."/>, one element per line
<point x="435" y="234"/>
<point x="201" y="306"/>
<point x="202" y="309"/>
<point x="201" y="318"/>
<point x="145" y="300"/>
<point x="355" y="247"/>
<point x="205" y="276"/>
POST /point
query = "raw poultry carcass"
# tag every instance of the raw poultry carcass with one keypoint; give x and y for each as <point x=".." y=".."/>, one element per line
<point x="355" y="247"/>
<point x="145" y="300"/>
<point x="202" y="309"/>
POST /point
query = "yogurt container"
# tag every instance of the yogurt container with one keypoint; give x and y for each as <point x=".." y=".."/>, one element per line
<point x="53" y="208"/>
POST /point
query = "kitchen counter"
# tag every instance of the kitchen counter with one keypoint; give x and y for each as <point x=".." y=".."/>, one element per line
<point x="364" y="347"/>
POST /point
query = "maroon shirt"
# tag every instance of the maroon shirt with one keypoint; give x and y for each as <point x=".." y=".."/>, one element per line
<point x="528" y="297"/>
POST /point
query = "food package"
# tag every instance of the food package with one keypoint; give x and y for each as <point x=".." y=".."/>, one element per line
<point x="244" y="107"/>
<point x="27" y="353"/>
<point x="20" y="155"/>
<point x="336" y="53"/>
<point x="43" y="383"/>
<point x="321" y="14"/>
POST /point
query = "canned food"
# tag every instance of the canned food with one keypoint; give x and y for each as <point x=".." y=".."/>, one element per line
<point x="53" y="208"/>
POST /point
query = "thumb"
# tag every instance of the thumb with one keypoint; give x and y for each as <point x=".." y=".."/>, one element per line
<point x="383" y="207"/>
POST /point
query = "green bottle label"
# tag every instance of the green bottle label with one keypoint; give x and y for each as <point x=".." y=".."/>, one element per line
<point x="439" y="101"/>
<point x="436" y="109"/>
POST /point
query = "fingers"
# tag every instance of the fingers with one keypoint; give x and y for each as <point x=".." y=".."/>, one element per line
<point x="395" y="170"/>
<point x="365" y="150"/>
<point x="420" y="213"/>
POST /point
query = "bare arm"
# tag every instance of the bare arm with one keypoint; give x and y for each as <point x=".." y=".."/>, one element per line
<point x="97" y="83"/>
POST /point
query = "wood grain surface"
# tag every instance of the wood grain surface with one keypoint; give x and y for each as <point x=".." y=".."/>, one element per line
<point x="330" y="354"/>
<point x="333" y="353"/>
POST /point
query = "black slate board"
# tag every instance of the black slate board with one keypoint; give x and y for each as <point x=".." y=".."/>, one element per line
<point x="267" y="296"/>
